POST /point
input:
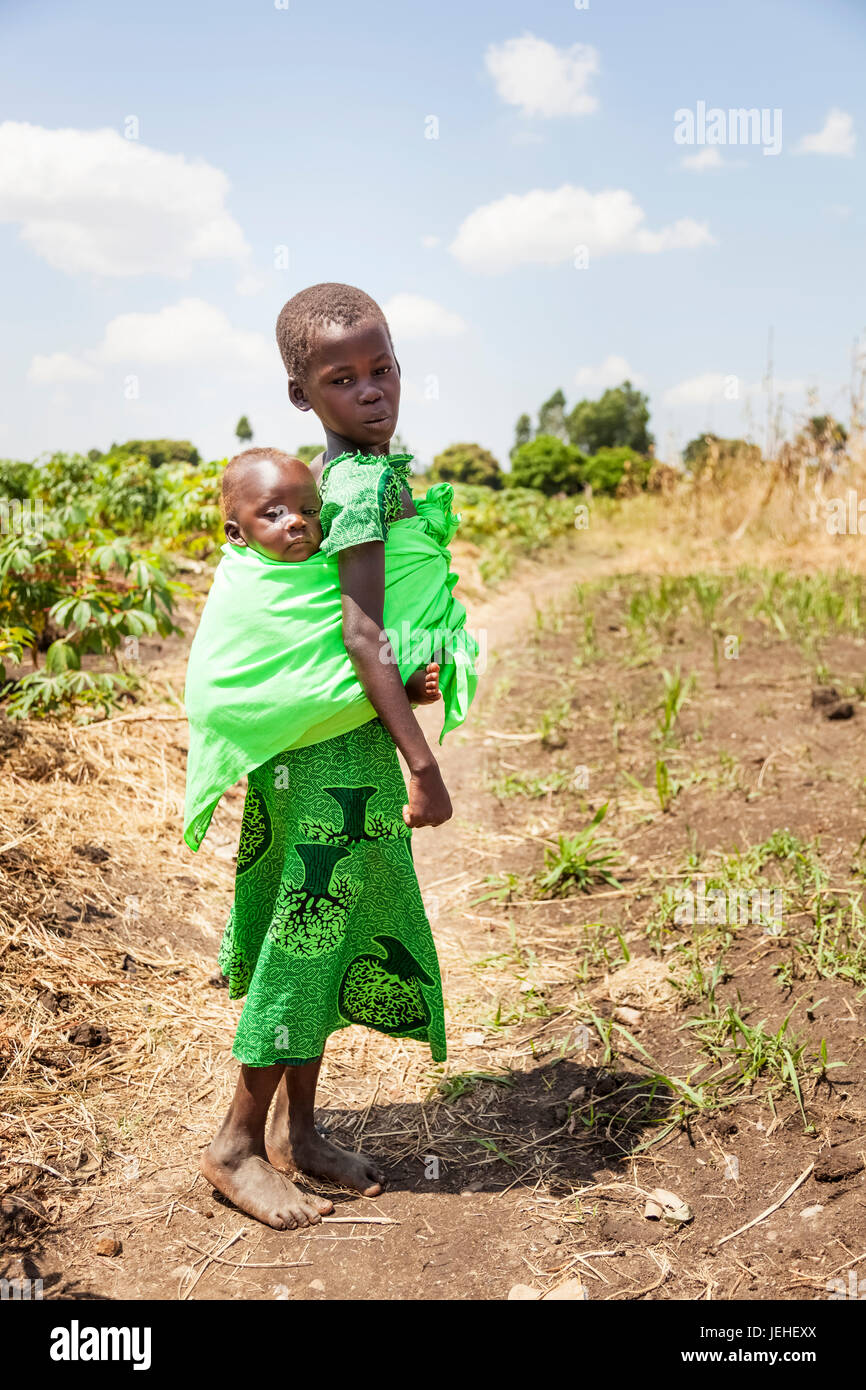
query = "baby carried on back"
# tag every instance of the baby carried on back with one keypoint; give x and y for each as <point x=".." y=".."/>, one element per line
<point x="268" y="669"/>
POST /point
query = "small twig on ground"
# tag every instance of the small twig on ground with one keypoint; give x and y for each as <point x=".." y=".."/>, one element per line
<point x="769" y="1212"/>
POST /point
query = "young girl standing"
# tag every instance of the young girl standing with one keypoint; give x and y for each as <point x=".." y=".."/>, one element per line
<point x="328" y="926"/>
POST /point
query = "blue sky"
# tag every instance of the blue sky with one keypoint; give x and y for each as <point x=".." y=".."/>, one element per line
<point x="281" y="146"/>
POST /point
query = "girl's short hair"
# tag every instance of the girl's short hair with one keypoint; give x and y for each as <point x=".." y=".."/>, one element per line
<point x="310" y="310"/>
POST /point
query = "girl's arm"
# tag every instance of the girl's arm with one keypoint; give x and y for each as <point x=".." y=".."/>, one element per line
<point x="362" y="582"/>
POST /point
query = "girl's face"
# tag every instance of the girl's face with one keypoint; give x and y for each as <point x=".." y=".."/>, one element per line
<point x="352" y="383"/>
<point x="276" y="511"/>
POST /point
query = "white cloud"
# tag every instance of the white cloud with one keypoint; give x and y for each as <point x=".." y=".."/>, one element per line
<point x="836" y="136"/>
<point x="413" y="316"/>
<point x="59" y="368"/>
<point x="611" y="372"/>
<point x="541" y="79"/>
<point x="249" y="284"/>
<point x="698" y="390"/>
<point x="714" y="388"/>
<point x="90" y="201"/>
<point x="547" y="226"/>
<point x="428" y="242"/>
<point x="191" y="334"/>
<point x="707" y="158"/>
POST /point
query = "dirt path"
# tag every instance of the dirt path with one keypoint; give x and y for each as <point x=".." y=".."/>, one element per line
<point x="526" y="1159"/>
<point x="437" y="1243"/>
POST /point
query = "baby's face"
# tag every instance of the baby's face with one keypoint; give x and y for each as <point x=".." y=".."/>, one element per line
<point x="276" y="511"/>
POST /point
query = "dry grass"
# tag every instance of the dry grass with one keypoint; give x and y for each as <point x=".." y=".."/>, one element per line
<point x="90" y="870"/>
<point x="776" y="515"/>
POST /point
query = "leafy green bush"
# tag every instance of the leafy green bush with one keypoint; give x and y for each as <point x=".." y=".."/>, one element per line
<point x="605" y="471"/>
<point x="548" y="465"/>
<point x="466" y="463"/>
<point x="16" y="479"/>
<point x="711" y="455"/>
<point x="516" y="521"/>
<point x="94" y="594"/>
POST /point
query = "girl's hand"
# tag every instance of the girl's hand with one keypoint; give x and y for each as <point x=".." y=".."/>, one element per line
<point x="429" y="802"/>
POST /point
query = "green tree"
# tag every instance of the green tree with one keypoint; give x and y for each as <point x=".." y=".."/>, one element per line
<point x="620" y="417"/>
<point x="826" y="434"/>
<point x="522" y="434"/>
<point x="466" y="463"/>
<point x="549" y="465"/>
<point x="551" y="417"/>
<point x="157" y="451"/>
<point x="243" y="430"/>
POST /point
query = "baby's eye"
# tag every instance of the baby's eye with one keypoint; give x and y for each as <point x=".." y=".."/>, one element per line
<point x="341" y="381"/>
<point x="311" y="511"/>
<point x="381" y="369"/>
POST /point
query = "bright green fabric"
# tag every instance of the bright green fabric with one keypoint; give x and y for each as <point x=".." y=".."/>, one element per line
<point x="361" y="498"/>
<point x="268" y="669"/>
<point x="328" y="926"/>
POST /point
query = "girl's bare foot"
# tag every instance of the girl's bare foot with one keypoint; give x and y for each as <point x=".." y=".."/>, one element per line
<point x="249" y="1181"/>
<point x="320" y="1158"/>
<point x="422" y="687"/>
<point x="301" y="1146"/>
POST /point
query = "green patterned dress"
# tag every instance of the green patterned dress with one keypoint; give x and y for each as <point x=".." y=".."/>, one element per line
<point x="328" y="927"/>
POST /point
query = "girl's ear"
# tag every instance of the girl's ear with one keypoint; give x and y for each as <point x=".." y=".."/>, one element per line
<point x="233" y="533"/>
<point x="297" y="396"/>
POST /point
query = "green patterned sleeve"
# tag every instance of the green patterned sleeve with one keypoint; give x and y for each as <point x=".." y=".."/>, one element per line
<point x="356" y="508"/>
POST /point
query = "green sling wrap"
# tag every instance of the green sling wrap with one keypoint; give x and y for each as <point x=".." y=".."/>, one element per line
<point x="268" y="669"/>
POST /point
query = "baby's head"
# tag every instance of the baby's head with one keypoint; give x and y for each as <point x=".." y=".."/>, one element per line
<point x="270" y="502"/>
<point x="337" y="350"/>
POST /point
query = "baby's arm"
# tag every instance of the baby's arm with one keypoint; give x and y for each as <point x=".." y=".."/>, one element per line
<point x="362" y="582"/>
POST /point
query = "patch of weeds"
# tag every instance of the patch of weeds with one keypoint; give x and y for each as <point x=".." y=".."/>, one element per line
<point x="662" y="922"/>
<point x="746" y="1053"/>
<point x="530" y="1005"/>
<point x="667" y="786"/>
<point x="834" y="948"/>
<point x="580" y="861"/>
<point x="677" y="692"/>
<point x="516" y="784"/>
<point x="463" y="1083"/>
<point x="553" y="725"/>
<point x="596" y="950"/>
<point x="697" y="967"/>
<point x="502" y="887"/>
<point x="589" y="650"/>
